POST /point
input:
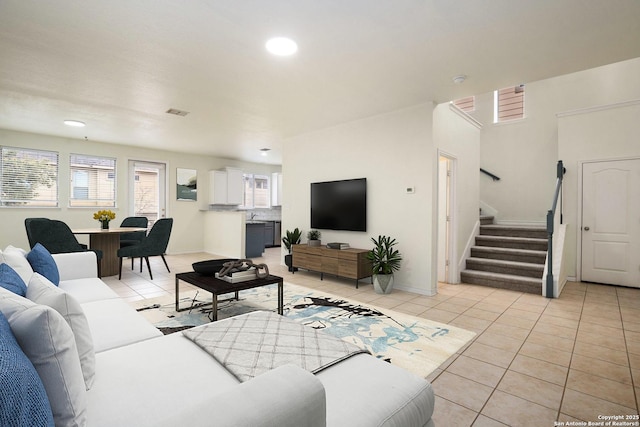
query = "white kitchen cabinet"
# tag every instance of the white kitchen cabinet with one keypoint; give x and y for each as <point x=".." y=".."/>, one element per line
<point x="226" y="187"/>
<point x="235" y="187"/>
<point x="276" y="189"/>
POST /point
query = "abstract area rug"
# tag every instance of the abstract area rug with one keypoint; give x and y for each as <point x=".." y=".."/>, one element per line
<point x="416" y="344"/>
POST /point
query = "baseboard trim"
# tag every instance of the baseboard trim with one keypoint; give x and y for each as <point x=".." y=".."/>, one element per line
<point x="415" y="290"/>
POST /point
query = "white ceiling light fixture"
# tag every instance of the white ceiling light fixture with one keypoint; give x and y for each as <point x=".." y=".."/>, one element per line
<point x="459" y="79"/>
<point x="281" y="46"/>
<point x="264" y="151"/>
<point x="75" y="123"/>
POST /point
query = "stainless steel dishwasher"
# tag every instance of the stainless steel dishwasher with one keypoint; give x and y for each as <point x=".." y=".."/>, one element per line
<point x="268" y="234"/>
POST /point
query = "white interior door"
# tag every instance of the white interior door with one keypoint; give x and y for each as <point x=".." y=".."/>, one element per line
<point x="611" y="222"/>
<point x="444" y="219"/>
<point x="147" y="190"/>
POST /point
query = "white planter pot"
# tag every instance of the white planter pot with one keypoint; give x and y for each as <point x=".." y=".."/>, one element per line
<point x="383" y="283"/>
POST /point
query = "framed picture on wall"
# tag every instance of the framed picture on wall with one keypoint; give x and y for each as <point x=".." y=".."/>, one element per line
<point x="186" y="184"/>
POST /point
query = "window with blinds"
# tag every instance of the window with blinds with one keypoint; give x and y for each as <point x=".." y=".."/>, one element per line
<point x="467" y="104"/>
<point x="92" y="181"/>
<point x="508" y="104"/>
<point x="256" y="191"/>
<point x="28" y="178"/>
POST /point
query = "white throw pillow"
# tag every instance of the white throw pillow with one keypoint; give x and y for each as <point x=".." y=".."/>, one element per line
<point x="48" y="342"/>
<point x="43" y="291"/>
<point x="16" y="258"/>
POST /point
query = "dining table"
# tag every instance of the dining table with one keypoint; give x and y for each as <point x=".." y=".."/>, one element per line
<point x="108" y="241"/>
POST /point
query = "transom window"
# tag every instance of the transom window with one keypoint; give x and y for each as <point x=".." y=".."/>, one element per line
<point x="28" y="178"/>
<point x="92" y="181"/>
<point x="508" y="104"/>
<point x="467" y="104"/>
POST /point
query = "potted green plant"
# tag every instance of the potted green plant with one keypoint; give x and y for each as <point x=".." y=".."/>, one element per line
<point x="314" y="237"/>
<point x="291" y="238"/>
<point x="385" y="259"/>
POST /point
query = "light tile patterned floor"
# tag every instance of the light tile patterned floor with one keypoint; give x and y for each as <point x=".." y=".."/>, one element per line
<point x="534" y="360"/>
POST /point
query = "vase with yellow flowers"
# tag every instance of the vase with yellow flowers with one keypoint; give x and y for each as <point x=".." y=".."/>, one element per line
<point x="104" y="217"/>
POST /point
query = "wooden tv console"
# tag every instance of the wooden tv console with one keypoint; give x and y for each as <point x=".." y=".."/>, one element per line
<point x="350" y="263"/>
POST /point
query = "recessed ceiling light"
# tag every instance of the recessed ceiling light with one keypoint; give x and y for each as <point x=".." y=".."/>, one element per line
<point x="281" y="46"/>
<point x="74" y="123"/>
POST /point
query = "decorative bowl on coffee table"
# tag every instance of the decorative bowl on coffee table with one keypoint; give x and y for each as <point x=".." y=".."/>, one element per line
<point x="210" y="267"/>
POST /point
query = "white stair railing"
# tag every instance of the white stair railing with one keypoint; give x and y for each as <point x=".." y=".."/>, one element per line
<point x="551" y="213"/>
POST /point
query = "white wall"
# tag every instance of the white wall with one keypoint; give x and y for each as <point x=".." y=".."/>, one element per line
<point x="393" y="151"/>
<point x="188" y="217"/>
<point x="459" y="138"/>
<point x="524" y="153"/>
<point x="607" y="134"/>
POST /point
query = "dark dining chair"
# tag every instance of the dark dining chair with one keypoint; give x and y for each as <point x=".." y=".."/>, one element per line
<point x="135" y="237"/>
<point x="33" y="241"/>
<point x="27" y="226"/>
<point x="55" y="236"/>
<point x="153" y="244"/>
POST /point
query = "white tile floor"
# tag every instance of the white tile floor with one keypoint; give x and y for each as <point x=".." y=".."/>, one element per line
<point x="534" y="360"/>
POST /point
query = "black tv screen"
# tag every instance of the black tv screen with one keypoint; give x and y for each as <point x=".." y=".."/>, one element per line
<point x="339" y="205"/>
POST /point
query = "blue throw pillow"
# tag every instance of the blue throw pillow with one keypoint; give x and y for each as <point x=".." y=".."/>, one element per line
<point x="43" y="263"/>
<point x="23" y="399"/>
<point x="12" y="281"/>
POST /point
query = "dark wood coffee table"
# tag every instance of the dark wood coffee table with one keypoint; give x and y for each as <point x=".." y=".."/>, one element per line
<point x="220" y="287"/>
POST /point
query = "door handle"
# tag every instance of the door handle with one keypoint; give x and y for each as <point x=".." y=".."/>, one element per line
<point x="586" y="228"/>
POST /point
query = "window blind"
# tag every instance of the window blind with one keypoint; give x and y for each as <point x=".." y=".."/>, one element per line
<point x="28" y="178"/>
<point x="510" y="103"/>
<point x="92" y="181"/>
<point x="466" y="104"/>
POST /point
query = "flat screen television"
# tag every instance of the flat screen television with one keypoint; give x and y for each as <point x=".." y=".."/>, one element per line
<point x="339" y="205"/>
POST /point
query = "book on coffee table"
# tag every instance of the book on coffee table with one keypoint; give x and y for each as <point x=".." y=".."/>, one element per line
<point x="238" y="276"/>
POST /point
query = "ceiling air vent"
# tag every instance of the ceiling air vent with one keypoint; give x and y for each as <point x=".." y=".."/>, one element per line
<point x="177" y="112"/>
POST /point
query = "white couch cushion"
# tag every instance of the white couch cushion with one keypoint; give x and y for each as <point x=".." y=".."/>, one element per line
<point x="42" y="291"/>
<point x="76" y="265"/>
<point x="165" y="376"/>
<point x="115" y="323"/>
<point x="410" y="403"/>
<point x="16" y="258"/>
<point x="177" y="383"/>
<point x="48" y="342"/>
<point x="88" y="289"/>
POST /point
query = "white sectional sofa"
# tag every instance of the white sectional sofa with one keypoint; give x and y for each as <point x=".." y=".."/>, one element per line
<point x="143" y="378"/>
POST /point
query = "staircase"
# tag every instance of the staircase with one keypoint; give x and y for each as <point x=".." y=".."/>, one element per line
<point x="507" y="257"/>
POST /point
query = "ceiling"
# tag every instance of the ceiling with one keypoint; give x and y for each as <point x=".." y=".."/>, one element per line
<point x="119" y="65"/>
